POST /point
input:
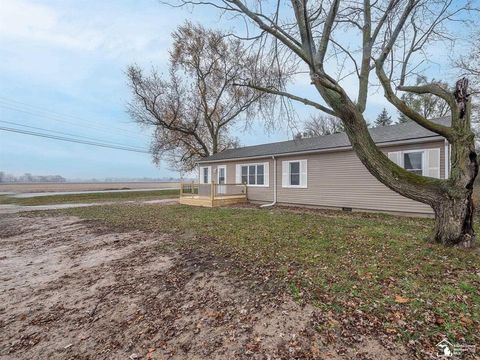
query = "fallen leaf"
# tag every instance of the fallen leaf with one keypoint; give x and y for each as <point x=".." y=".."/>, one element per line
<point x="466" y="320"/>
<point x="401" y="300"/>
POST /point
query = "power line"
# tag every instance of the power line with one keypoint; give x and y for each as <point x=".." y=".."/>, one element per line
<point x="52" y="112"/>
<point x="68" y="134"/>
<point x="102" y="129"/>
<point x="78" y="141"/>
<point x="53" y="116"/>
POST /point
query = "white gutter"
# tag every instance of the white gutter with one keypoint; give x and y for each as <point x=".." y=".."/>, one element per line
<point x="274" y="184"/>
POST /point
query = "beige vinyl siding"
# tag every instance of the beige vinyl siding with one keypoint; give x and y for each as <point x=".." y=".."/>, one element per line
<point x="339" y="179"/>
<point x="336" y="179"/>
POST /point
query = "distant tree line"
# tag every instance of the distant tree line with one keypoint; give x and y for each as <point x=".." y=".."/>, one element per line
<point x="143" y="179"/>
<point x="29" y="178"/>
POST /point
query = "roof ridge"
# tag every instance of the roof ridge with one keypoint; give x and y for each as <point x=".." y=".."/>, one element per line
<point x="396" y="132"/>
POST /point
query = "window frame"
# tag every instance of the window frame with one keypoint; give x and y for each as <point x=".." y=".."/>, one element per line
<point x="202" y="175"/>
<point x="422" y="151"/>
<point x="289" y="174"/>
<point x="264" y="174"/>
<point x="428" y="168"/>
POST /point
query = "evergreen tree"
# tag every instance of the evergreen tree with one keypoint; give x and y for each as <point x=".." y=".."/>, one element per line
<point x="383" y="119"/>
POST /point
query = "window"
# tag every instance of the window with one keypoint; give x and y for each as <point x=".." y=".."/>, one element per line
<point x="252" y="179"/>
<point x="294" y="174"/>
<point x="205" y="174"/>
<point x="260" y="175"/>
<point x="413" y="162"/>
<point x="253" y="174"/>
<point x="244" y="174"/>
<point x="425" y="162"/>
<point x="221" y="174"/>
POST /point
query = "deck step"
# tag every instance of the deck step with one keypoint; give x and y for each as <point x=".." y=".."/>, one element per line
<point x="215" y="202"/>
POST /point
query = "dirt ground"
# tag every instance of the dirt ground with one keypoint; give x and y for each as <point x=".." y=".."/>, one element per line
<point x="70" y="289"/>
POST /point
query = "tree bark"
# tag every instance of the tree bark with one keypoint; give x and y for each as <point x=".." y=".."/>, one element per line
<point x="451" y="199"/>
<point x="454" y="221"/>
<point x="454" y="213"/>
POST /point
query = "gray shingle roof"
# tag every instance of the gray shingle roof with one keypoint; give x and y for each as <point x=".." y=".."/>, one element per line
<point x="383" y="134"/>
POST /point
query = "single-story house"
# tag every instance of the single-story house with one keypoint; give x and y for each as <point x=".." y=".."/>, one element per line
<point x="325" y="172"/>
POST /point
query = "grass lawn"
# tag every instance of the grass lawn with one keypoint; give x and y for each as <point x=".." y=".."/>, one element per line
<point x="91" y="197"/>
<point x="370" y="273"/>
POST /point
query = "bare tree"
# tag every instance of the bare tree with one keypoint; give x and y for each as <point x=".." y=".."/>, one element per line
<point x="428" y="105"/>
<point x="469" y="65"/>
<point x="387" y="39"/>
<point x="194" y="108"/>
<point x="319" y="125"/>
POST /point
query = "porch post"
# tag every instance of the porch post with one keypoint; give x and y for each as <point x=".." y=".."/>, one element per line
<point x="212" y="191"/>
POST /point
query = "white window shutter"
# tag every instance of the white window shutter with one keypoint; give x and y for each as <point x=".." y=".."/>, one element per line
<point x="238" y="174"/>
<point x="209" y="175"/>
<point x="266" y="173"/>
<point x="432" y="163"/>
<point x="303" y="173"/>
<point x="285" y="174"/>
<point x="396" y="157"/>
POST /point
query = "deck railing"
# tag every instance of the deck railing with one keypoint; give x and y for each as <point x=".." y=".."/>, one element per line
<point x="189" y="189"/>
<point x="212" y="190"/>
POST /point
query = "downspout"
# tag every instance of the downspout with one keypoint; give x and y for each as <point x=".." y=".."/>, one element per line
<point x="447" y="159"/>
<point x="274" y="184"/>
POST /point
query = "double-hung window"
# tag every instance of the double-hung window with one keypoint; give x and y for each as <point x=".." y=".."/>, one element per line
<point x="425" y="162"/>
<point x="205" y="174"/>
<point x="294" y="174"/>
<point x="253" y="174"/>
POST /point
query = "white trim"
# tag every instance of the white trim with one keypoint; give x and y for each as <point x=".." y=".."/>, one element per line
<point x="447" y="160"/>
<point x="425" y="159"/>
<point x="274" y="184"/>
<point x="220" y="187"/>
<point x="332" y="149"/>
<point x="303" y="174"/>
<point x="266" y="171"/>
<point x="433" y="171"/>
<point x="209" y="175"/>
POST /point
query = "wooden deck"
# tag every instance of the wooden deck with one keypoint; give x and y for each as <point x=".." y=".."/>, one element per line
<point x="217" y="201"/>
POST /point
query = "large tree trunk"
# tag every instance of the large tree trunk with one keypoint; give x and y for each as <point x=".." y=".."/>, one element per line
<point x="454" y="221"/>
<point x="451" y="199"/>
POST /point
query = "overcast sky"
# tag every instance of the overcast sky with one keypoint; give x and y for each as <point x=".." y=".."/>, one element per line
<point x="62" y="68"/>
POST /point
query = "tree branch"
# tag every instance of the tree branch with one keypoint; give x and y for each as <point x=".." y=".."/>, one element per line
<point x="290" y="96"/>
<point x="445" y="131"/>
<point x="434" y="89"/>
<point x="271" y="30"/>
<point x="326" y="35"/>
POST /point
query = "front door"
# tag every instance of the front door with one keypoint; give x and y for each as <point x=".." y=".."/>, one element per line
<point x="222" y="179"/>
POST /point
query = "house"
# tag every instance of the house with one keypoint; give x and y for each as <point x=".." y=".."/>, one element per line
<point x="325" y="172"/>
